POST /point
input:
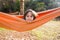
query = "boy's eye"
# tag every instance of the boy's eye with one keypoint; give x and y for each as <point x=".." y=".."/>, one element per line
<point x="31" y="16"/>
<point x="27" y="16"/>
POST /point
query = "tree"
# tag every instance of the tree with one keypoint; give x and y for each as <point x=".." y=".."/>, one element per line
<point x="35" y="5"/>
<point x="21" y="7"/>
<point x="40" y="6"/>
<point x="7" y="5"/>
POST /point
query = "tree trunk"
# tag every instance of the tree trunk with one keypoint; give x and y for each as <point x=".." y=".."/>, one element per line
<point x="21" y="7"/>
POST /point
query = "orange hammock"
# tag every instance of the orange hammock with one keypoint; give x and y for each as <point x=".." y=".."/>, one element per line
<point x="17" y="23"/>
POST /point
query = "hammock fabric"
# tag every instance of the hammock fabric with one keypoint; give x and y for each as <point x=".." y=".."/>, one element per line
<point x="17" y="23"/>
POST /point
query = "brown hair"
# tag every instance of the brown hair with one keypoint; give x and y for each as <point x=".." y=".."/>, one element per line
<point x="27" y="13"/>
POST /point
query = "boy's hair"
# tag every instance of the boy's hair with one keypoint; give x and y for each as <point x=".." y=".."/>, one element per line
<point x="28" y="12"/>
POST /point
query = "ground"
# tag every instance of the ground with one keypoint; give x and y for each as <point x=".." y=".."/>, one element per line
<point x="48" y="31"/>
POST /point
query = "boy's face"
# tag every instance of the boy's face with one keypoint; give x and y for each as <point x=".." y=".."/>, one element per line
<point x="29" y="17"/>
